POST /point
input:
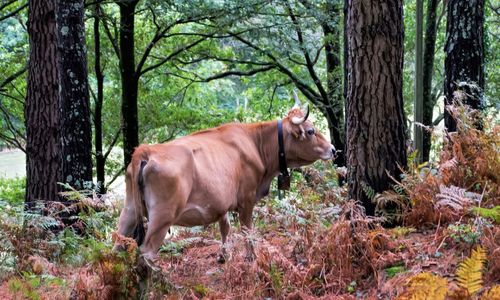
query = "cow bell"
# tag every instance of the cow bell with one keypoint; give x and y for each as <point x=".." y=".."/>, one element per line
<point x="284" y="182"/>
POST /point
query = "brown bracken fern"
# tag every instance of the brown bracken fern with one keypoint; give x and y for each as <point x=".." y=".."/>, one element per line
<point x="492" y="294"/>
<point x="469" y="273"/>
<point x="426" y="286"/>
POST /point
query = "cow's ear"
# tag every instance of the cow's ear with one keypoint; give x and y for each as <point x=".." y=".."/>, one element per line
<point x="298" y="132"/>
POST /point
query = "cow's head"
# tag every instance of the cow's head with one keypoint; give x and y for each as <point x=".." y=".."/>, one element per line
<point x="304" y="144"/>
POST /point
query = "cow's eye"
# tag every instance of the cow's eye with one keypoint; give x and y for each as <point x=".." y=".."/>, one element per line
<point x="310" y="131"/>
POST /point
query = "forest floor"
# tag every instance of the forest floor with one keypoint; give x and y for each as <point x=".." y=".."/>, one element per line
<point x="292" y="261"/>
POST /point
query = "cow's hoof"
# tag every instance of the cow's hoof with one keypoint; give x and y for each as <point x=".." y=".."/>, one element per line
<point x="249" y="257"/>
<point x="221" y="259"/>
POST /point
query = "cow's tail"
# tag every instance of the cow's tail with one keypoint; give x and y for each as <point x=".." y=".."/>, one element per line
<point x="139" y="202"/>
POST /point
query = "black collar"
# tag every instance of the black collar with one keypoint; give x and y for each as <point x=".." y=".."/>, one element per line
<point x="281" y="150"/>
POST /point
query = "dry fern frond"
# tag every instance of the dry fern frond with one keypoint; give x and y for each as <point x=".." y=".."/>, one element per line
<point x="469" y="273"/>
<point x="492" y="294"/>
<point x="426" y="286"/>
<point x="455" y="198"/>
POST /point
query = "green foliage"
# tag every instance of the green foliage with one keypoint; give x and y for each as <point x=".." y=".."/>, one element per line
<point x="489" y="213"/>
<point x="464" y="233"/>
<point x="12" y="190"/>
<point x="369" y="191"/>
<point x="276" y="276"/>
<point x="394" y="270"/>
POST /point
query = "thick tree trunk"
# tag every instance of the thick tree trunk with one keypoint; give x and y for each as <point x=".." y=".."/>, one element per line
<point x="334" y="79"/>
<point x="43" y="153"/>
<point x="429" y="49"/>
<point x="130" y="80"/>
<point x="74" y="98"/>
<point x="99" y="155"/>
<point x="464" y="49"/>
<point x="375" y="116"/>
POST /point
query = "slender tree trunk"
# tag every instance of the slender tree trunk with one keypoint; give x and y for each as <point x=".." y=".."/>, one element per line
<point x="418" y="109"/>
<point x="130" y="80"/>
<point x="74" y="97"/>
<point x="43" y="153"/>
<point x="429" y="50"/>
<point x="375" y="116"/>
<point x="464" y="49"/>
<point x="345" y="73"/>
<point x="100" y="161"/>
<point x="334" y="78"/>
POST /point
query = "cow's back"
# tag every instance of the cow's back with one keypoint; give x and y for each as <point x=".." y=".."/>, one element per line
<point x="215" y="165"/>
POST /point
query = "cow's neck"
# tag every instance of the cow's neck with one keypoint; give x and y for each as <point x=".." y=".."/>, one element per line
<point x="266" y="141"/>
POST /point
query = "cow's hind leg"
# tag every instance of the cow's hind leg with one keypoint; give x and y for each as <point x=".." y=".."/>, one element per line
<point x="224" y="227"/>
<point x="158" y="227"/>
<point x="127" y="223"/>
<point x="166" y="195"/>
<point x="245" y="216"/>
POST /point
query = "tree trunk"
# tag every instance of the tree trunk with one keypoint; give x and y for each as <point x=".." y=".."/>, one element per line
<point x="429" y="49"/>
<point x="130" y="80"/>
<point x="375" y="116"/>
<point x="99" y="154"/>
<point x="334" y="79"/>
<point x="43" y="157"/>
<point x="74" y="98"/>
<point x="464" y="49"/>
<point x="345" y="74"/>
<point x="418" y="107"/>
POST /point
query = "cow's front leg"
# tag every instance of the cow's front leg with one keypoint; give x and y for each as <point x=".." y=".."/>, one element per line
<point x="224" y="227"/>
<point x="245" y="216"/>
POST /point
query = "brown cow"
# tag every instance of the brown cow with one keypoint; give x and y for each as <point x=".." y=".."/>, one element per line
<point x="196" y="179"/>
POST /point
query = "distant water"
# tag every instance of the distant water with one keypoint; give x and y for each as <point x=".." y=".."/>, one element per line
<point x="12" y="163"/>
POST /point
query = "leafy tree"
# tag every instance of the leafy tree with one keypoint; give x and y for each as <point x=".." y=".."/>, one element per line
<point x="282" y="38"/>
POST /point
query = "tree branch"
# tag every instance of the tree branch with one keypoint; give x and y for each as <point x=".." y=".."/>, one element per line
<point x="171" y="55"/>
<point x="113" y="143"/>
<point x="13" y="13"/>
<point x="309" y="92"/>
<point x="13" y="77"/>
<point x="309" y="62"/>
<point x="238" y="73"/>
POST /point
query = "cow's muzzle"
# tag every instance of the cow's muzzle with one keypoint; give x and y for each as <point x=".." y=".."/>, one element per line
<point x="334" y="153"/>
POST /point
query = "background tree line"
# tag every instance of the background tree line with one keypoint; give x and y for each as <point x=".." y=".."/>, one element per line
<point x="155" y="70"/>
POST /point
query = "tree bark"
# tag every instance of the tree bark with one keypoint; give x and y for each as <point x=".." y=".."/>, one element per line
<point x="464" y="49"/>
<point x="129" y="79"/>
<point x="74" y="97"/>
<point x="429" y="50"/>
<point x="43" y="153"/>
<point x="99" y="154"/>
<point x="375" y="116"/>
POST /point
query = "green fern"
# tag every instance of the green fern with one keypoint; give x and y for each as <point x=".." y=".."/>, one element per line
<point x="469" y="273"/>
<point x="369" y="191"/>
<point x="489" y="213"/>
